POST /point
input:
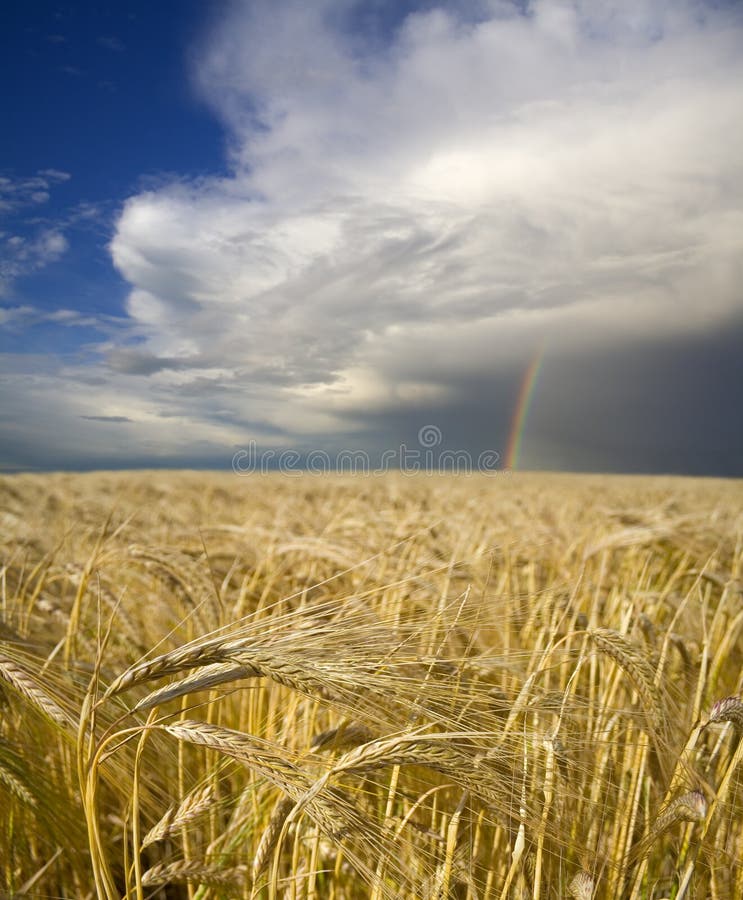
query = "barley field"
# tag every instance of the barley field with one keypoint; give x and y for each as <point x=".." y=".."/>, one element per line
<point x="522" y="686"/>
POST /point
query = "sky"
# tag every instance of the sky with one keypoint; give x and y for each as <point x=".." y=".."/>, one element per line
<point x="355" y="227"/>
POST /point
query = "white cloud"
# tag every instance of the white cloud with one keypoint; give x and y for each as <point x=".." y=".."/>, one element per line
<point x="55" y="175"/>
<point x="401" y="212"/>
<point x="22" y="317"/>
<point x="39" y="245"/>
<point x="17" y="193"/>
<point x="21" y="256"/>
<point x="14" y="315"/>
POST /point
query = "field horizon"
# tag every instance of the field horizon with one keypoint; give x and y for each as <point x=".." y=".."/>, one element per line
<point x="504" y="473"/>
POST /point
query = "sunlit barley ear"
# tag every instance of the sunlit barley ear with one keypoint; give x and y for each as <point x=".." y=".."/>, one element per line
<point x="194" y="872"/>
<point x="27" y="687"/>
<point x="348" y="734"/>
<point x="680" y="644"/>
<point x="634" y="662"/>
<point x="267" y="843"/>
<point x="582" y="886"/>
<point x="192" y="806"/>
<point x="730" y="709"/>
<point x="648" y="628"/>
<point x="691" y="807"/>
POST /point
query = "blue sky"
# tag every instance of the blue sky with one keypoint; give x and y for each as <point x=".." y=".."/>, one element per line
<point x="327" y="226"/>
<point x="97" y="100"/>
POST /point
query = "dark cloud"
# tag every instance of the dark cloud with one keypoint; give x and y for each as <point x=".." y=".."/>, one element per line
<point x="107" y="418"/>
<point x="135" y="362"/>
<point x="660" y="405"/>
<point x="655" y="405"/>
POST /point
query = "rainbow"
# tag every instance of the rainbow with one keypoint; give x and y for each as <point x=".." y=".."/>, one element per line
<point x="523" y="402"/>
